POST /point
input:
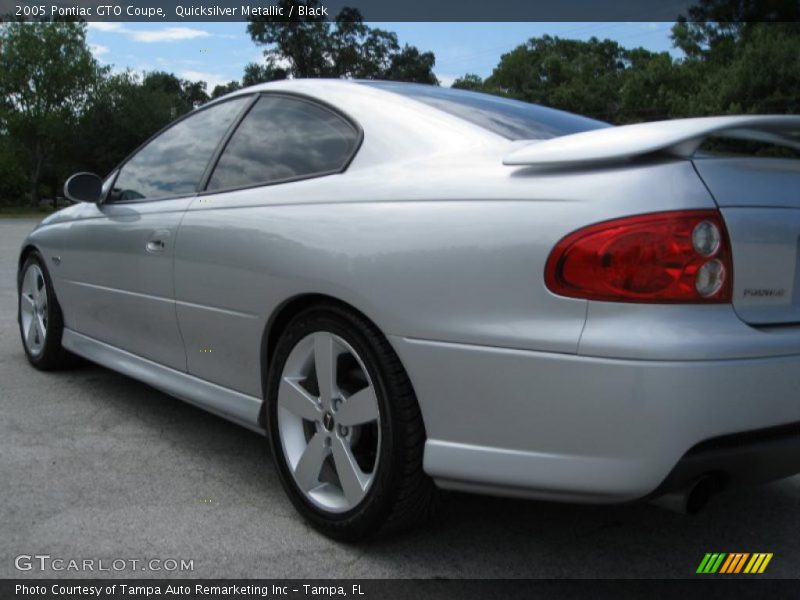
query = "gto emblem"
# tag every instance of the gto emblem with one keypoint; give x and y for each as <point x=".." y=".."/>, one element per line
<point x="764" y="292"/>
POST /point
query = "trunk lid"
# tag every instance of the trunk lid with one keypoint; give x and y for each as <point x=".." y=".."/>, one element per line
<point x="759" y="198"/>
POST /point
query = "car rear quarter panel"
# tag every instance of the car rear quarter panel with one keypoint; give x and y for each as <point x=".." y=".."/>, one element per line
<point x="448" y="249"/>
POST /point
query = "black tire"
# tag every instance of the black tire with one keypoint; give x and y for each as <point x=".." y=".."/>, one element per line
<point x="52" y="356"/>
<point x="401" y="494"/>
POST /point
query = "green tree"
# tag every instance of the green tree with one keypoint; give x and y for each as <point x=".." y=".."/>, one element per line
<point x="715" y="28"/>
<point x="127" y="109"/>
<point x="123" y="115"/>
<point x="12" y="175"/>
<point x="470" y="81"/>
<point x="255" y="73"/>
<point x="738" y="56"/>
<point x="363" y="52"/>
<point x="741" y="55"/>
<point x="762" y="75"/>
<point x="655" y="87"/>
<point x="302" y="41"/>
<point x="409" y="64"/>
<point x="310" y="46"/>
<point x="194" y="92"/>
<point x="184" y="95"/>
<point x="227" y="88"/>
<point x="48" y="76"/>
<point x="583" y="77"/>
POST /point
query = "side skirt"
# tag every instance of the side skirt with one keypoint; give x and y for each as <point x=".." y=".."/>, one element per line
<point x="228" y="404"/>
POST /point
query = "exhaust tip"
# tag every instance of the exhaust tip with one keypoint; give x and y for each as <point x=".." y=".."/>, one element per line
<point x="701" y="493"/>
<point x="694" y="498"/>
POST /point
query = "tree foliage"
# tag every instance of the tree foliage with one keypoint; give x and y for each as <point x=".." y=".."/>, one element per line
<point x="714" y="28"/>
<point x="227" y="88"/>
<point x="61" y="112"/>
<point x="409" y="64"/>
<point x="47" y="79"/>
<point x="470" y="81"/>
<point x="576" y="76"/>
<point x="760" y="76"/>
<point x="127" y="110"/>
<point x="255" y="73"/>
<point x="310" y="46"/>
<point x="725" y="68"/>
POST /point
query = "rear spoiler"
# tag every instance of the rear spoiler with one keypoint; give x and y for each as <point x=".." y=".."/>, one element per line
<point x="679" y="138"/>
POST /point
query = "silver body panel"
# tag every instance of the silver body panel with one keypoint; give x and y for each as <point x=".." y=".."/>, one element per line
<point x="578" y="428"/>
<point x="118" y="291"/>
<point x="239" y="408"/>
<point x="760" y="201"/>
<point x="452" y="270"/>
<point x="443" y="247"/>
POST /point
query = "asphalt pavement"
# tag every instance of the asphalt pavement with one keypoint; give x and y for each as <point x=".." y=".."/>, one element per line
<point x="94" y="465"/>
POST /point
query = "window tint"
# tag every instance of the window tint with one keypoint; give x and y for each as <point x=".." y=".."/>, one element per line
<point x="284" y="138"/>
<point x="510" y="118"/>
<point x="173" y="163"/>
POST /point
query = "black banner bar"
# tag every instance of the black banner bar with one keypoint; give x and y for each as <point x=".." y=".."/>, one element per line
<point x="371" y="10"/>
<point x="384" y="589"/>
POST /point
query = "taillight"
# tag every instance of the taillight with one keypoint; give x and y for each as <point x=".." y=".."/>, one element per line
<point x="679" y="256"/>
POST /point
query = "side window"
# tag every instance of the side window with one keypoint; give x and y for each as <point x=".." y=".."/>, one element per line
<point x="173" y="163"/>
<point x="284" y="138"/>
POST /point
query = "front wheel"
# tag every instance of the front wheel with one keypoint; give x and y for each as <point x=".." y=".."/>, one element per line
<point x="345" y="428"/>
<point x="41" y="323"/>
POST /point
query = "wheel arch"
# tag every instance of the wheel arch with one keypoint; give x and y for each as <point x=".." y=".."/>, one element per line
<point x="280" y="319"/>
<point x="26" y="251"/>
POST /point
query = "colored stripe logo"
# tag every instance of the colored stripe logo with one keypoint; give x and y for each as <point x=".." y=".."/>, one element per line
<point x="734" y="563"/>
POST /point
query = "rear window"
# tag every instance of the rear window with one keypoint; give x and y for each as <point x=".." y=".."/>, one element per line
<point x="512" y="119"/>
<point x="284" y="138"/>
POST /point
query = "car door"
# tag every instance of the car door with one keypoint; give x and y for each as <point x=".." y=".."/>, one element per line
<point x="117" y="264"/>
<point x="229" y="262"/>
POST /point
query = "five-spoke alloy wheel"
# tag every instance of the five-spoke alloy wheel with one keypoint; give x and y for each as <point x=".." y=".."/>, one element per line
<point x="328" y="421"/>
<point x="344" y="426"/>
<point x="33" y="309"/>
<point x="39" y="315"/>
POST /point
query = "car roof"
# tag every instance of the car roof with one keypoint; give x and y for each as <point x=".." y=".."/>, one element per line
<point x="506" y="117"/>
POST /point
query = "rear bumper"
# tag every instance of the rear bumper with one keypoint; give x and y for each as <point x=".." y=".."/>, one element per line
<point x="568" y="427"/>
<point x="738" y="459"/>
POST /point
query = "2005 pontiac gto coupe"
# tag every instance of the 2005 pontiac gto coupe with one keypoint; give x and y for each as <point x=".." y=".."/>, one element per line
<point x="411" y="288"/>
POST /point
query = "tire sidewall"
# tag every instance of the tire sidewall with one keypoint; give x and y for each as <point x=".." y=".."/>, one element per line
<point x="367" y="516"/>
<point x="52" y="345"/>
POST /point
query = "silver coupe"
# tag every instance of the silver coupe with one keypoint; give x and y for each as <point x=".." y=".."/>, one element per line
<point x="411" y="288"/>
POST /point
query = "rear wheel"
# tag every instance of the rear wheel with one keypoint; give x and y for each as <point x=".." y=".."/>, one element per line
<point x="39" y="315"/>
<point x="345" y="428"/>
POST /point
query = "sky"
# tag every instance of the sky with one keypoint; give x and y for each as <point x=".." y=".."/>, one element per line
<point x="217" y="52"/>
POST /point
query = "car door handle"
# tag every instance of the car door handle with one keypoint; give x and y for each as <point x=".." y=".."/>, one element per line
<point x="156" y="246"/>
<point x="157" y="241"/>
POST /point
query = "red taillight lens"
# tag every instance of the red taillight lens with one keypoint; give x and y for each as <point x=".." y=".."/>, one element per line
<point x="680" y="256"/>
